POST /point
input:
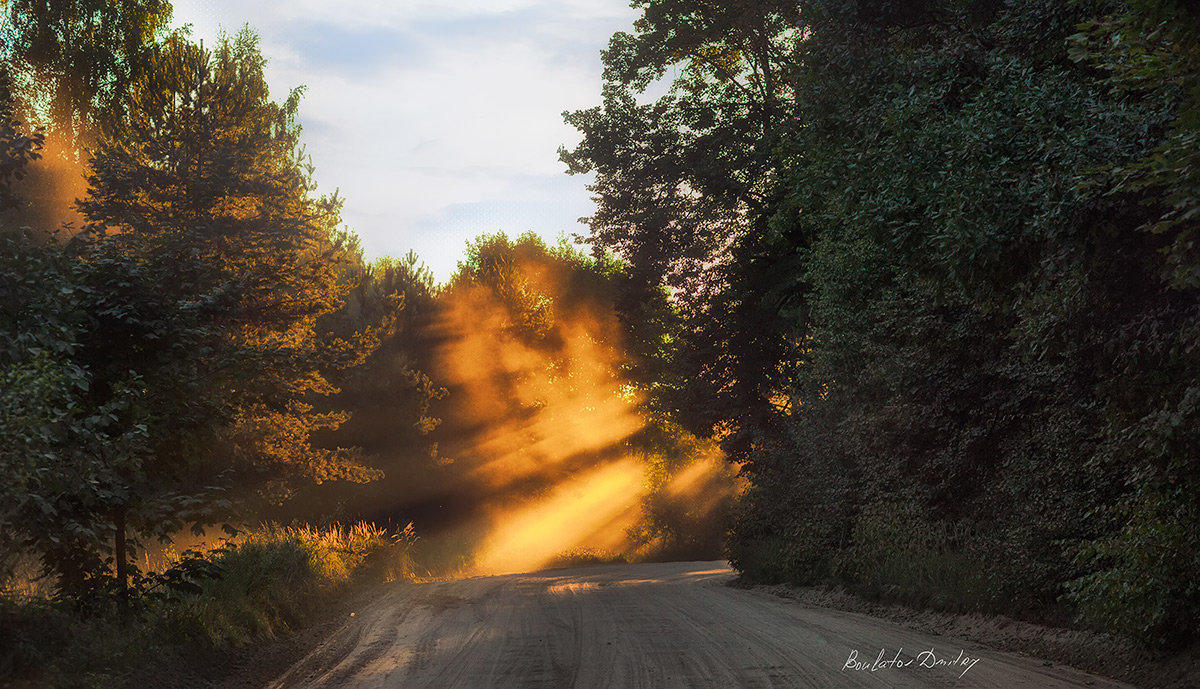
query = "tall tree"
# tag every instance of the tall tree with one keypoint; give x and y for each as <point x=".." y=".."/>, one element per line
<point x="73" y="62"/>
<point x="202" y="204"/>
<point x="206" y="184"/>
<point x="939" y="279"/>
<point x="679" y="178"/>
<point x="75" y="421"/>
<point x="684" y="187"/>
<point x="982" y="305"/>
<point x="390" y="397"/>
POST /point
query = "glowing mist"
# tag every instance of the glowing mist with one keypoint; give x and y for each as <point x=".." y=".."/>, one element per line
<point x="541" y="388"/>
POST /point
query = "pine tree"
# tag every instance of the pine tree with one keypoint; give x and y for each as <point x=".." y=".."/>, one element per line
<point x="206" y="187"/>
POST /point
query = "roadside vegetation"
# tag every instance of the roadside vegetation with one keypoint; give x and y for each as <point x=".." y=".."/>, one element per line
<point x="939" y="288"/>
<point x="257" y="586"/>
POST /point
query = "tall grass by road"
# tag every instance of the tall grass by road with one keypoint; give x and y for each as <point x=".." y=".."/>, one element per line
<point x="259" y="585"/>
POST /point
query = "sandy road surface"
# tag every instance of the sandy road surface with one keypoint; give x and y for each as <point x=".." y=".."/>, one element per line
<point x="645" y="625"/>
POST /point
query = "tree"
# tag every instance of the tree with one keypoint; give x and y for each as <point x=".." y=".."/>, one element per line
<point x="78" y="58"/>
<point x="684" y="188"/>
<point x="207" y="185"/>
<point x="395" y="300"/>
<point x="680" y="179"/>
<point x="73" y="431"/>
<point x="945" y="286"/>
<point x="976" y="287"/>
<point x="73" y="62"/>
<point x="389" y="397"/>
<point x="551" y="383"/>
<point x="209" y="262"/>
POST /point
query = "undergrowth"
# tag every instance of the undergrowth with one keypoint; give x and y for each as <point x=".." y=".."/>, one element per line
<point x="262" y="584"/>
<point x="896" y="553"/>
<point x="585" y="556"/>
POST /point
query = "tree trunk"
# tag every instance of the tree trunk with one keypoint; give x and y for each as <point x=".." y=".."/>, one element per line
<point x="122" y="562"/>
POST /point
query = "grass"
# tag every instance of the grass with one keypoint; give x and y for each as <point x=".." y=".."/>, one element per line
<point x="585" y="556"/>
<point x="899" y="555"/>
<point x="272" y="579"/>
<point x="269" y="582"/>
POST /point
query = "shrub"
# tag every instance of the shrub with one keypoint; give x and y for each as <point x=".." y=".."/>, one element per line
<point x="577" y="557"/>
<point x="777" y="545"/>
<point x="273" y="579"/>
<point x="1143" y="579"/>
<point x="898" y="552"/>
<point x="258" y="585"/>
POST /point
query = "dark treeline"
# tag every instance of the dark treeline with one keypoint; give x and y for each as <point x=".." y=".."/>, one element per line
<point x="936" y="265"/>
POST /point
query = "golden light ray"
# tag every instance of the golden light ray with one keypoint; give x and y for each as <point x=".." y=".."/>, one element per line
<point x="595" y="508"/>
<point x="548" y="418"/>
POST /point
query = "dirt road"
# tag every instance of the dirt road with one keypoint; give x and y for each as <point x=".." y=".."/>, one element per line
<point x="645" y="625"/>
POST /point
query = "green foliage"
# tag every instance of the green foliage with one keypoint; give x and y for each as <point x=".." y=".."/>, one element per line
<point x="17" y="147"/>
<point x="264" y="584"/>
<point x="684" y="185"/>
<point x="796" y="539"/>
<point x="962" y="276"/>
<point x="1148" y="50"/>
<point x="75" y="438"/>
<point x="212" y="196"/>
<point x="897" y="551"/>
<point x="538" y="324"/>
<point x="186" y="340"/>
<point x="389" y="396"/>
<point x="273" y="579"/>
<point x="690" y="492"/>
<point x="537" y="282"/>
<point x="1142" y="579"/>
<point x="78" y="58"/>
<point x="45" y="645"/>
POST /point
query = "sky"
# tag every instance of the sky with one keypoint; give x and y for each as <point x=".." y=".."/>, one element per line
<point x="437" y="120"/>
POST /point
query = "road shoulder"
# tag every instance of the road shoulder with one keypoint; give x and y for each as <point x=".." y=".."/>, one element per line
<point x="1092" y="652"/>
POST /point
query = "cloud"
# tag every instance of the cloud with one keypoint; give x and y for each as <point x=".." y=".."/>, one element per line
<point x="424" y="112"/>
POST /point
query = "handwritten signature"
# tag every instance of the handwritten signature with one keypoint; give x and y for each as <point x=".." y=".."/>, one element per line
<point x="924" y="659"/>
